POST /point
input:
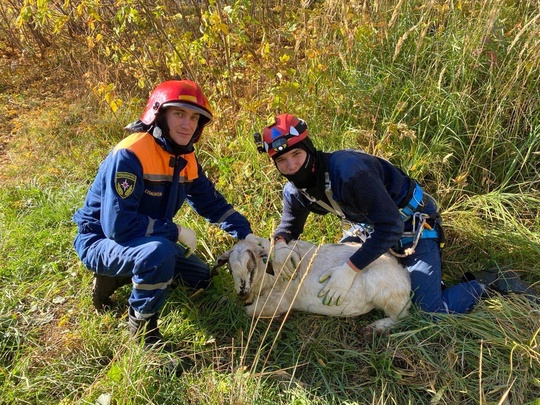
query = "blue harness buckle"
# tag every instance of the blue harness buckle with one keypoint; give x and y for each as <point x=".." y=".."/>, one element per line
<point x="413" y="204"/>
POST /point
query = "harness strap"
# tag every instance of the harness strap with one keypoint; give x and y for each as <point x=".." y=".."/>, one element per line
<point x="414" y="203"/>
<point x="425" y="234"/>
<point x="335" y="208"/>
<point x="328" y="192"/>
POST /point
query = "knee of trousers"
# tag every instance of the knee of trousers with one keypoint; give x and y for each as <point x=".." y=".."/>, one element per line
<point x="155" y="262"/>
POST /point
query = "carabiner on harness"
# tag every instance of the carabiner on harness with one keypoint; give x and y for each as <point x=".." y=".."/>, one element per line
<point x="355" y="229"/>
<point x="420" y="228"/>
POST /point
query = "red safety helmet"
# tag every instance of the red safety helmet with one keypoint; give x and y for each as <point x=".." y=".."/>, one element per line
<point x="178" y="93"/>
<point x="283" y="131"/>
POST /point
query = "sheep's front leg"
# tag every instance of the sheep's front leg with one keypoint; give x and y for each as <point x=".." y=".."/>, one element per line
<point x="395" y="311"/>
<point x="380" y="325"/>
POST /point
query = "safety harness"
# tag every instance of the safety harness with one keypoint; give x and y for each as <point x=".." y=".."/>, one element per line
<point x="413" y="209"/>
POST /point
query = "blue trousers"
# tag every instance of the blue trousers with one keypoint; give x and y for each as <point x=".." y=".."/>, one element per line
<point x="426" y="275"/>
<point x="151" y="262"/>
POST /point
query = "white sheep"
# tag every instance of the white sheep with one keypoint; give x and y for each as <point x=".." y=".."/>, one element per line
<point x="384" y="284"/>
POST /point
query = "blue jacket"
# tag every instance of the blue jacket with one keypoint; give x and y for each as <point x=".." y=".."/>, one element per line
<point x="140" y="187"/>
<point x="368" y="189"/>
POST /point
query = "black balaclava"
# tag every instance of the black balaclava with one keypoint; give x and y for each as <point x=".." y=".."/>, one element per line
<point x="306" y="176"/>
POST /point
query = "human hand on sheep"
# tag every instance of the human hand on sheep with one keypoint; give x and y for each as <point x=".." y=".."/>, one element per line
<point x="187" y="238"/>
<point x="339" y="280"/>
<point x="285" y="260"/>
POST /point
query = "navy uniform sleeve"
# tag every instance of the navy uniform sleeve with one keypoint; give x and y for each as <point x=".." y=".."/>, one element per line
<point x="210" y="203"/>
<point x="293" y="216"/>
<point x="367" y="193"/>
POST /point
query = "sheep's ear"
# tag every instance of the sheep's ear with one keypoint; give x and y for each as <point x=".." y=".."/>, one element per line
<point x="270" y="268"/>
<point x="221" y="260"/>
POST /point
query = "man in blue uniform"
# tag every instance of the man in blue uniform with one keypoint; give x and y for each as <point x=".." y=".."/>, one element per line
<point x="126" y="232"/>
<point x="384" y="207"/>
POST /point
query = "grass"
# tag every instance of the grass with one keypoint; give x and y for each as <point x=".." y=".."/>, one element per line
<point x="56" y="350"/>
<point x="447" y="91"/>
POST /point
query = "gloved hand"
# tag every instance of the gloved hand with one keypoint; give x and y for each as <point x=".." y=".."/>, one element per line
<point x="187" y="238"/>
<point x="340" y="280"/>
<point x="285" y="260"/>
<point x="256" y="239"/>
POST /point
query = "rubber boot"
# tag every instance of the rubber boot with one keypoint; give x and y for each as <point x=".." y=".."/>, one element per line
<point x="503" y="281"/>
<point x="103" y="288"/>
<point x="148" y="331"/>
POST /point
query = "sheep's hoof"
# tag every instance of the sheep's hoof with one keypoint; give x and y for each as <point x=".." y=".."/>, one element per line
<point x="281" y="317"/>
<point x="370" y="331"/>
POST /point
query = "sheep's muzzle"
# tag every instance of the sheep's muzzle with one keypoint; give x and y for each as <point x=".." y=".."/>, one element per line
<point x="243" y="296"/>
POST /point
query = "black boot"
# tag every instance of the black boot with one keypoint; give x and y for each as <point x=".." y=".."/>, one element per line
<point x="148" y="330"/>
<point x="502" y="281"/>
<point x="103" y="288"/>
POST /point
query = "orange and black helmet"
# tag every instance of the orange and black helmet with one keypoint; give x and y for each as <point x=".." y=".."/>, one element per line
<point x="178" y="93"/>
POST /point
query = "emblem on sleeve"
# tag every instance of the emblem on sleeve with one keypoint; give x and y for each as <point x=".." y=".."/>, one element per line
<point x="125" y="184"/>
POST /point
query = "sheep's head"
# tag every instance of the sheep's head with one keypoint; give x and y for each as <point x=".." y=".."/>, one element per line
<point x="247" y="263"/>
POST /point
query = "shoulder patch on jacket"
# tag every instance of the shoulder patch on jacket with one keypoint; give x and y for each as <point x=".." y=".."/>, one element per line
<point x="125" y="183"/>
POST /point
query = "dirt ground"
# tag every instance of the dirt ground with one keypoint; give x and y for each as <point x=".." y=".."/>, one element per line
<point x="26" y="89"/>
<point x="10" y="74"/>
